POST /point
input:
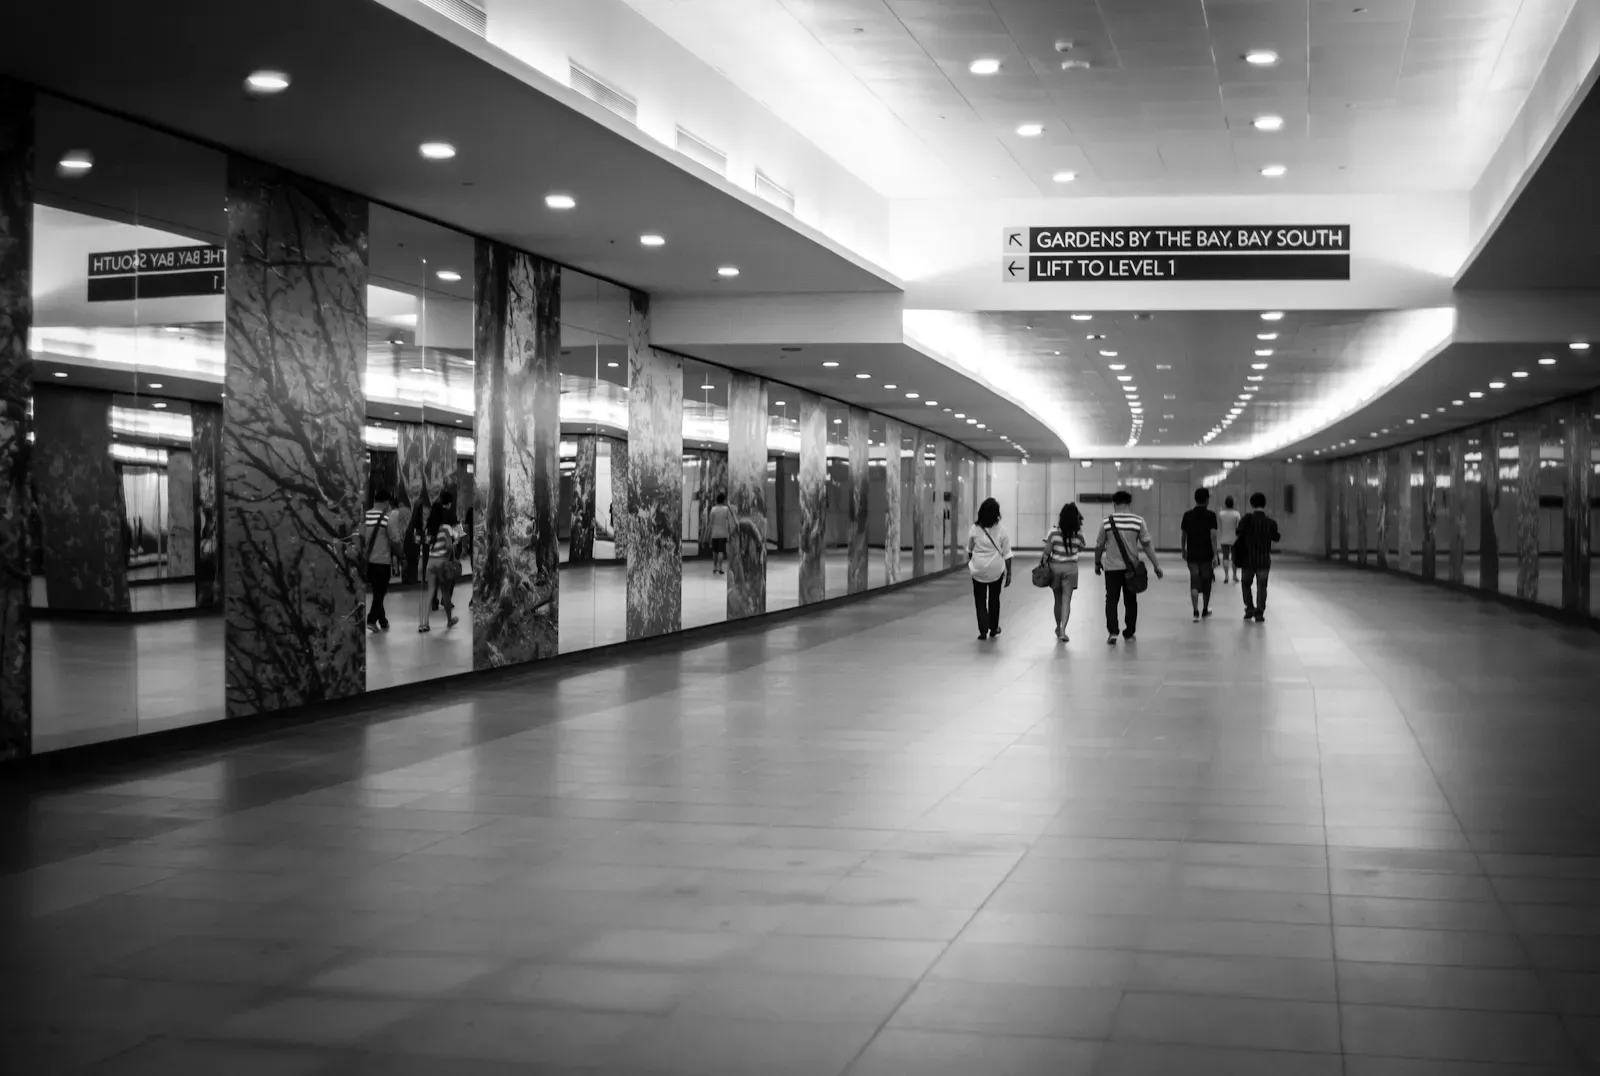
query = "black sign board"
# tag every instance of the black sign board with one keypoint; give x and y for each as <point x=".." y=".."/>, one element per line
<point x="1181" y="253"/>
<point x="155" y="273"/>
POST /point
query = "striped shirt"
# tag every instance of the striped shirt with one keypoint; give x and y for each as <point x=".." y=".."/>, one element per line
<point x="1063" y="548"/>
<point x="1257" y="532"/>
<point x="389" y="535"/>
<point x="444" y="543"/>
<point x="1133" y="532"/>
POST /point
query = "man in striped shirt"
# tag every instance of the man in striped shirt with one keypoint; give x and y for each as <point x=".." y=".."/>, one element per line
<point x="382" y="535"/>
<point x="1108" y="558"/>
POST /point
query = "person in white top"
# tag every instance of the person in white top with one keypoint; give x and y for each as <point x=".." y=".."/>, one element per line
<point x="989" y="564"/>
<point x="1227" y="527"/>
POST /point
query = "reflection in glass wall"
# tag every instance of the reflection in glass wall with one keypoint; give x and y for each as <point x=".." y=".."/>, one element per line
<point x="1473" y="491"/>
<point x="883" y="499"/>
<point x="783" y="498"/>
<point x="836" y="526"/>
<point x="127" y="341"/>
<point x="707" y="519"/>
<point x="419" y="383"/>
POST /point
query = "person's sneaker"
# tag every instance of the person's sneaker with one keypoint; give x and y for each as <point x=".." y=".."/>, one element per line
<point x="1128" y="635"/>
<point x="1261" y="618"/>
<point x="1205" y="612"/>
<point x="422" y="629"/>
<point x="1249" y="614"/>
<point x="1111" y="640"/>
<point x="453" y="622"/>
<point x="995" y="632"/>
<point x="372" y="626"/>
<point x="383" y="624"/>
<point x="982" y="635"/>
<point x="1197" y="616"/>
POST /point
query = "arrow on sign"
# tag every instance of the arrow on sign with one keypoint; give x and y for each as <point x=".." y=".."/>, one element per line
<point x="1014" y="239"/>
<point x="1013" y="267"/>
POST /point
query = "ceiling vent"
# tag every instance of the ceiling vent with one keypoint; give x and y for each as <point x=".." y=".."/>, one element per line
<point x="698" y="149"/>
<point x="465" y="12"/>
<point x="773" y="193"/>
<point x="604" y="94"/>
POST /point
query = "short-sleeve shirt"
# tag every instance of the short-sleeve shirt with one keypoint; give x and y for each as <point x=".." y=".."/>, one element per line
<point x="721" y="521"/>
<point x="1198" y="523"/>
<point x="1227" y="525"/>
<point x="991" y="549"/>
<point x="1133" y="531"/>
<point x="1063" y="548"/>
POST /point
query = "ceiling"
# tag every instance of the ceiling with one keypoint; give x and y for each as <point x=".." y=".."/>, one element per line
<point x="1375" y="95"/>
<point x="358" y="110"/>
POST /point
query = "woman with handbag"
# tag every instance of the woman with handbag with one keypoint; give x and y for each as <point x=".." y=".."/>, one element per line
<point x="1060" y="564"/>
<point x="441" y="563"/>
<point x="1116" y="553"/>
<point x="989" y="564"/>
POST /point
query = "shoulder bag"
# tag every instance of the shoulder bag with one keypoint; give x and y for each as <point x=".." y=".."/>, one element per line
<point x="1041" y="575"/>
<point x="1138" y="578"/>
<point x="372" y="539"/>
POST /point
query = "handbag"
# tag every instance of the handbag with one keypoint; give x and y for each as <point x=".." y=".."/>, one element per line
<point x="1137" y="581"/>
<point x="1041" y="574"/>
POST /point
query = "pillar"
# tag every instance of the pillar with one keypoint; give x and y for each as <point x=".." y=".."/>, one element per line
<point x="1488" y="508"/>
<point x="813" y="493"/>
<point x="919" y="507"/>
<point x="1575" y="510"/>
<point x="1402" y="515"/>
<point x="1456" y="571"/>
<point x="941" y="503"/>
<point x="581" y="513"/>
<point x="16" y="394"/>
<point x="655" y="480"/>
<point x="1430" y="511"/>
<point x="78" y="497"/>
<point x="1380" y="538"/>
<point x="1529" y="435"/>
<point x="206" y="447"/>
<point x="1341" y="471"/>
<point x="860" y="485"/>
<point x="747" y="495"/>
<point x="294" y="462"/>
<point x="893" y="435"/>
<point x="1330" y="509"/>
<point x="1363" y="467"/>
<point x="516" y="604"/>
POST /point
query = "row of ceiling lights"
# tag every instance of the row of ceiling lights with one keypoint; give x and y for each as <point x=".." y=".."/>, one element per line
<point x="1267" y="122"/>
<point x="1578" y="346"/>
<point x="266" y="83"/>
<point x="832" y="364"/>
<point x="1253" y="380"/>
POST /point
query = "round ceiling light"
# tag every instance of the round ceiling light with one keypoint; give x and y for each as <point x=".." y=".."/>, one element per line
<point x="830" y="364"/>
<point x="75" y="162"/>
<point x="1519" y="373"/>
<point x="1273" y="171"/>
<point x="728" y="271"/>
<point x="1272" y="315"/>
<point x="1083" y="317"/>
<point x="1548" y="360"/>
<point x="650" y="240"/>
<point x="1476" y="395"/>
<point x="266" y="82"/>
<point x="560" y="201"/>
<point x="1264" y="352"/>
<point x="449" y="276"/>
<point x="985" y="66"/>
<point x="1261" y="57"/>
<point x="1064" y="177"/>
<point x="1497" y="384"/>
<point x="1268" y="123"/>
<point x="1031" y="130"/>
<point x="863" y="377"/>
<point x="913" y="395"/>
<point x="1579" y="345"/>
<point x="437" y="151"/>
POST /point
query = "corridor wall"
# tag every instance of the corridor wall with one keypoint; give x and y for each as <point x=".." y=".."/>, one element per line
<point x="348" y="449"/>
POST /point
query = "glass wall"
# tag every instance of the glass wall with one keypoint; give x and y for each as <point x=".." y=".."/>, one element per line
<point x="783" y="498"/>
<point x="1551" y="489"/>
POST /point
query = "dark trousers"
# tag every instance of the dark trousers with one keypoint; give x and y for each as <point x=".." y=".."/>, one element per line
<point x="378" y="586"/>
<point x="1258" y="576"/>
<point x="986" y="598"/>
<point x="1117" y="588"/>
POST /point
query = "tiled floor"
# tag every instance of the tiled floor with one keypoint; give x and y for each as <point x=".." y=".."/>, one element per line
<point x="1360" y="839"/>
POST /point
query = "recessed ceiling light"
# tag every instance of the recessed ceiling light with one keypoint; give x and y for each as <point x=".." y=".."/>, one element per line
<point x="947" y="410"/>
<point x="1579" y="345"/>
<point x="437" y="151"/>
<point x="981" y="426"/>
<point x="913" y="395"/>
<point x="1083" y="317"/>
<point x="984" y="66"/>
<point x="1497" y="384"/>
<point x="449" y="276"/>
<point x="863" y="377"/>
<point x="1108" y="354"/>
<point x="1273" y="171"/>
<point x="930" y="403"/>
<point x="1254" y="377"/>
<point x="1261" y="57"/>
<point x="1064" y="177"/>
<point x="830" y="364"/>
<point x="972" y="422"/>
<point x="1476" y="395"/>
<point x="891" y="386"/>
<point x="650" y="240"/>
<point x="708" y="388"/>
<point x="777" y="403"/>
<point x="1458" y="403"/>
<point x="728" y="270"/>
<point x="1117" y="366"/>
<point x="1548" y="360"/>
<point x="1268" y="123"/>
<point x="1266" y="336"/>
<point x="612" y="365"/>
<point x="1124" y="377"/>
<point x="266" y="81"/>
<point x="1259" y="365"/>
<point x="154" y="385"/>
<point x="958" y="414"/>
<point x="1262" y="353"/>
<point x="75" y="162"/>
<point x="560" y="201"/>
<point x="1075" y="65"/>
<point x="1031" y="130"/>
<point x="60" y="374"/>
<point x="1272" y="315"/>
<point x="159" y="405"/>
<point x="1519" y="373"/>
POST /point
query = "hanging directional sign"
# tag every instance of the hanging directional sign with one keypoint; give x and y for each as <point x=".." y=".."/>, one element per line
<point x="1176" y="253"/>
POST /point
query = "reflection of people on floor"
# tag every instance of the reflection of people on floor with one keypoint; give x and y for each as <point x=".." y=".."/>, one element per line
<point x="442" y="562"/>
<point x="721" y="531"/>
<point x="385" y="537"/>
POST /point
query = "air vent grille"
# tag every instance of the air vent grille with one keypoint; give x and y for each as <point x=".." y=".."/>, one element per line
<point x="773" y="193"/>
<point x="604" y="94"/>
<point x="702" y="151"/>
<point x="464" y="12"/>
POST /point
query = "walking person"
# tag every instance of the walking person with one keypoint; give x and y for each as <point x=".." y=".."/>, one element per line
<point x="386" y="536"/>
<point x="1227" y="527"/>
<point x="441" y="563"/>
<point x="1200" y="552"/>
<point x="989" y="564"/>
<point x="1253" y="555"/>
<point x="721" y="531"/>
<point x="1116" y="553"/>
<point x="1061" y="548"/>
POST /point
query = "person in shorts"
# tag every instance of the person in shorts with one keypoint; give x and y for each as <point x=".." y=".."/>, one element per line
<point x="1227" y="527"/>
<point x="1200" y="552"/>
<point x="721" y="531"/>
<point x="1062" y="545"/>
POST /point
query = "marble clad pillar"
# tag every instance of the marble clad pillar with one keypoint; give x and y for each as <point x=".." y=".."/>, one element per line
<point x="713" y="473"/>
<point x="206" y="448"/>
<point x="1341" y="471"/>
<point x="516" y="554"/>
<point x="941" y="506"/>
<point x="860" y="497"/>
<point x="1528" y="437"/>
<point x="1329" y="508"/>
<point x="1488" y="509"/>
<point x="180" y="514"/>
<point x="16" y="394"/>
<point x="77" y="493"/>
<point x="294" y="462"/>
<point x="1402" y="513"/>
<point x="813" y="494"/>
<point x="919" y="506"/>
<point x="581" y="521"/>
<point x="1380" y="533"/>
<point x="1363" y="467"/>
<point x="893" y="435"/>
<point x="1430" y="511"/>
<point x="1457" y="565"/>
<point x="427" y="467"/>
<point x="1578" y="488"/>
<point x="747" y="495"/>
<point x="619" y="496"/>
<point x="655" y="480"/>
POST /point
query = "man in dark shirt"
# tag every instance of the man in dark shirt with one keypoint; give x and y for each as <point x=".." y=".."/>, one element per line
<point x="1252" y="552"/>
<point x="1200" y="551"/>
